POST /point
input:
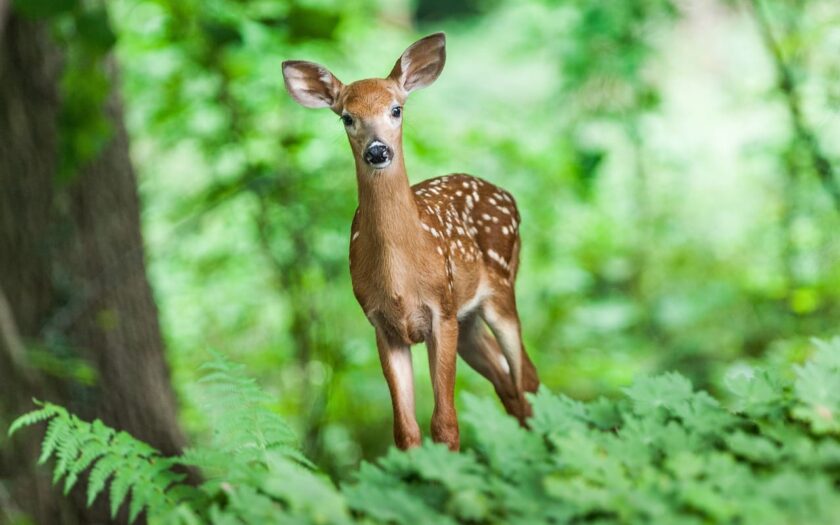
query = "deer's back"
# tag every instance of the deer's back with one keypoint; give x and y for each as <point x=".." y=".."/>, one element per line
<point x="471" y="220"/>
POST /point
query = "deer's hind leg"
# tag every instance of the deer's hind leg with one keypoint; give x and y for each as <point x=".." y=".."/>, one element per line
<point x="499" y="311"/>
<point x="481" y="351"/>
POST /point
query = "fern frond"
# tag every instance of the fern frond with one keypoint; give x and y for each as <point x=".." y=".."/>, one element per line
<point x="239" y="415"/>
<point x="36" y="416"/>
<point x="141" y="494"/>
<point x="57" y="429"/>
<point x="85" y="460"/>
<point x="120" y="485"/>
<point x="136" y="471"/>
<point x="99" y="476"/>
<point x="67" y="447"/>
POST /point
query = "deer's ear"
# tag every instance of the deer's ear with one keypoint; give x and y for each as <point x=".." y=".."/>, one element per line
<point x="421" y="63"/>
<point x="311" y="84"/>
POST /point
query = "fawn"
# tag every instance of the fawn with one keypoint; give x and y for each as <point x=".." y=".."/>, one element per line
<point x="431" y="262"/>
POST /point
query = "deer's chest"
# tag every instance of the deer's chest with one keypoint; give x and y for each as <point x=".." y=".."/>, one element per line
<point x="402" y="321"/>
<point x="398" y="311"/>
<point x="395" y="295"/>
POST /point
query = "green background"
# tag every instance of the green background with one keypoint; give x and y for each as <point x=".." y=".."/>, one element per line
<point x="675" y="214"/>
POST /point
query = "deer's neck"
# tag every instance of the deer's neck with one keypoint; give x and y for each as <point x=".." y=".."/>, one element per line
<point x="388" y="215"/>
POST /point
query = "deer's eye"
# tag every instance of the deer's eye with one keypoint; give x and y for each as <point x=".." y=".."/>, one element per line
<point x="347" y="120"/>
<point x="396" y="111"/>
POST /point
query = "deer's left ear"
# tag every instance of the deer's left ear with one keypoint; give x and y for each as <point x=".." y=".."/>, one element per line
<point x="421" y="63"/>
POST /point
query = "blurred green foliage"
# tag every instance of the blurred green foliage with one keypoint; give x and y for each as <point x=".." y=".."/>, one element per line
<point x="672" y="215"/>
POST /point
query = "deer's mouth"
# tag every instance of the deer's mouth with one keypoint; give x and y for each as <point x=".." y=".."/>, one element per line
<point x="380" y="165"/>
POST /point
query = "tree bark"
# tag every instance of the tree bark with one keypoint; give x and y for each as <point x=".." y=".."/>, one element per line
<point x="73" y="277"/>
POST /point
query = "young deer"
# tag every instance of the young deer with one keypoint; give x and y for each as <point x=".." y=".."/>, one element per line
<point x="431" y="262"/>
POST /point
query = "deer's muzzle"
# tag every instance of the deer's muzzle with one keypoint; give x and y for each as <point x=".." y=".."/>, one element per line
<point x="378" y="154"/>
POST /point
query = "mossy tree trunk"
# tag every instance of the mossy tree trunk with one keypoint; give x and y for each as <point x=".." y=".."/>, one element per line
<point x="73" y="281"/>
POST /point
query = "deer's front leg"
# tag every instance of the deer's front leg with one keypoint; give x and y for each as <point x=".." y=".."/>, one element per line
<point x="396" y="365"/>
<point x="443" y="351"/>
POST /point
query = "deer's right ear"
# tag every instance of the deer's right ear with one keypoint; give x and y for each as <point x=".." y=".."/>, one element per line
<point x="311" y="84"/>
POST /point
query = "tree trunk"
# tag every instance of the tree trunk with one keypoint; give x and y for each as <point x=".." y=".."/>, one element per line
<point x="72" y="279"/>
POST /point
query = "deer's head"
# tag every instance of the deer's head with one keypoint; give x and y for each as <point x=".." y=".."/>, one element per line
<point x="371" y="110"/>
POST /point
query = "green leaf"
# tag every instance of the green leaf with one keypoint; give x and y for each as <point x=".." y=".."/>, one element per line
<point x="556" y="414"/>
<point x="827" y="354"/>
<point x="508" y="448"/>
<point x="604" y="414"/>
<point x="310" y="495"/>
<point x="661" y="392"/>
<point x="756" y="391"/>
<point x="391" y="503"/>
<point x="817" y="389"/>
<point x="754" y="448"/>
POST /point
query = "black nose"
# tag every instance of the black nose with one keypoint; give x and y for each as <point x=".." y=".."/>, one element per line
<point x="377" y="153"/>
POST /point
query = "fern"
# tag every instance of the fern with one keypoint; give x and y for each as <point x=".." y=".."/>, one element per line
<point x="249" y="442"/>
<point x="78" y="446"/>
<point x="237" y="412"/>
<point x="665" y="453"/>
<point x="247" y="436"/>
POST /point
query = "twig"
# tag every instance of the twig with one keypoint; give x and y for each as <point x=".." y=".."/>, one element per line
<point x="822" y="166"/>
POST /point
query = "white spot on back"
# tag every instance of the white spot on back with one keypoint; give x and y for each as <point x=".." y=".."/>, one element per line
<point x="498" y="258"/>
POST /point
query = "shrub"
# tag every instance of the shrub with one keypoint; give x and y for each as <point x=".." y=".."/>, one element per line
<point x="664" y="453"/>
